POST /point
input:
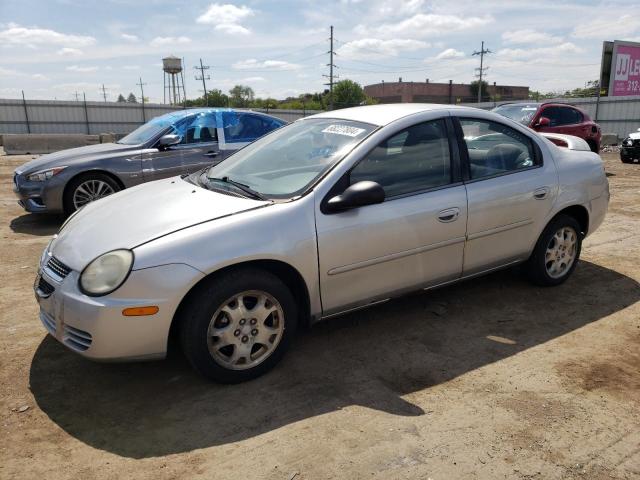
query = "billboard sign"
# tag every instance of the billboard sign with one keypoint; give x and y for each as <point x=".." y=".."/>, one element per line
<point x="624" y="78"/>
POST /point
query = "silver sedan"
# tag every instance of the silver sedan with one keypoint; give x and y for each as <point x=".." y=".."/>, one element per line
<point x="332" y="213"/>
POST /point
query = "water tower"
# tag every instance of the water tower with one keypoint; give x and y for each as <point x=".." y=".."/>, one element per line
<point x="173" y="80"/>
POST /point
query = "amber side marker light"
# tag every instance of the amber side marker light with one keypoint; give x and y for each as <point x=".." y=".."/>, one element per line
<point x="140" y="311"/>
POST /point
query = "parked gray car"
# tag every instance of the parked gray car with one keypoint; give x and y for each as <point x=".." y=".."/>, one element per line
<point x="332" y="213"/>
<point x="175" y="143"/>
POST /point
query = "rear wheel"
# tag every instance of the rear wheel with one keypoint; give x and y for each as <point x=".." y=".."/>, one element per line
<point x="238" y="326"/>
<point x="87" y="188"/>
<point x="556" y="253"/>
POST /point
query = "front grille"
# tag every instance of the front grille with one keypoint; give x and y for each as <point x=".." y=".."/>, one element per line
<point x="76" y="339"/>
<point x="48" y="322"/>
<point x="57" y="267"/>
<point x="45" y="287"/>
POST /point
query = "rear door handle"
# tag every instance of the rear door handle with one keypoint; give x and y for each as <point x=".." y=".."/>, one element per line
<point x="541" y="193"/>
<point x="448" y="215"/>
<point x="211" y="154"/>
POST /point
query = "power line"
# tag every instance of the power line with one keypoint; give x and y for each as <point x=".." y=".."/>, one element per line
<point x="77" y="96"/>
<point x="482" y="69"/>
<point x="203" y="77"/>
<point x="331" y="66"/>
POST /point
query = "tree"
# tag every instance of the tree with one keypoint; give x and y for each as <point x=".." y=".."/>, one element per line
<point x="486" y="97"/>
<point x="347" y="93"/>
<point x="121" y="99"/>
<point x="241" y="95"/>
<point x="217" y="99"/>
<point x="132" y="98"/>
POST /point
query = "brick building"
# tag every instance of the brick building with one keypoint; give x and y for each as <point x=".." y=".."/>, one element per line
<point x="428" y="92"/>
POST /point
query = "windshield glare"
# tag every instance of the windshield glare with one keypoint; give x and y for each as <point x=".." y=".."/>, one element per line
<point x="286" y="162"/>
<point x="520" y="113"/>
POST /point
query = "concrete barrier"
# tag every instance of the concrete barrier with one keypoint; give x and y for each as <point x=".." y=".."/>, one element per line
<point x="24" y="144"/>
<point x="609" y="139"/>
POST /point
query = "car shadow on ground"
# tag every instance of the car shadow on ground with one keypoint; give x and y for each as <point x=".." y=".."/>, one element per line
<point x="37" y="224"/>
<point x="370" y="358"/>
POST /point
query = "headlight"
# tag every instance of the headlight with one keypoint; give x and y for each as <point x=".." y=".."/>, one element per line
<point x="44" y="175"/>
<point x="106" y="273"/>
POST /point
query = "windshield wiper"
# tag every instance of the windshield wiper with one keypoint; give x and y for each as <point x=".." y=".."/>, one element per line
<point x="240" y="186"/>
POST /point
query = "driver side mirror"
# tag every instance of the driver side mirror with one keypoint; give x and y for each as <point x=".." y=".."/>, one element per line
<point x="543" y="122"/>
<point x="167" y="141"/>
<point x="357" y="195"/>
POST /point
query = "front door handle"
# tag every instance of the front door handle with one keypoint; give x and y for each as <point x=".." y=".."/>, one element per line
<point x="448" y="215"/>
<point x="541" y="193"/>
<point x="211" y="154"/>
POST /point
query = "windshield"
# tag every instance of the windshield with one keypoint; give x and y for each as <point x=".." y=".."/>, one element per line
<point x="286" y="162"/>
<point x="148" y="131"/>
<point x="520" y="113"/>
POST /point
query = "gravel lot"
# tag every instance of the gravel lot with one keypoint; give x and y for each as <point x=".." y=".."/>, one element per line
<point x="492" y="378"/>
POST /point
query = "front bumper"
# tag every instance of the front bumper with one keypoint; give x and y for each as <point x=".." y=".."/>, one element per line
<point x="630" y="153"/>
<point x="39" y="197"/>
<point x="95" y="328"/>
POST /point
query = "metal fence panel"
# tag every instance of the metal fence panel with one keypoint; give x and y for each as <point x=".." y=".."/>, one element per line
<point x="54" y="116"/>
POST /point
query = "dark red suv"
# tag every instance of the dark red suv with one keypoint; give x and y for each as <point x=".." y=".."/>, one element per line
<point x="554" y="118"/>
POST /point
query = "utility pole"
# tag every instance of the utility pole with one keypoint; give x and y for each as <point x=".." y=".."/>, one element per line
<point x="203" y="77"/>
<point x="331" y="66"/>
<point x="481" y="70"/>
<point x="77" y="96"/>
<point x="141" y="85"/>
<point x="104" y="93"/>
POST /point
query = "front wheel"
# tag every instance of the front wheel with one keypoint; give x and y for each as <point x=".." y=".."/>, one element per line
<point x="556" y="253"/>
<point x="87" y="188"/>
<point x="237" y="326"/>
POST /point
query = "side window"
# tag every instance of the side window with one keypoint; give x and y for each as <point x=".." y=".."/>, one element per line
<point x="554" y="114"/>
<point x="571" y="116"/>
<point x="413" y="160"/>
<point x="495" y="148"/>
<point x="200" y="128"/>
<point x="240" y="128"/>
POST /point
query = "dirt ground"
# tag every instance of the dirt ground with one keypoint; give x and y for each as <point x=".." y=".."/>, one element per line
<point x="492" y="378"/>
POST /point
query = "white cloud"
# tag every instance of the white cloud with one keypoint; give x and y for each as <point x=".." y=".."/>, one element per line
<point x="131" y="67"/>
<point x="254" y="79"/>
<point x="542" y="54"/>
<point x="32" y="36"/>
<point x="423" y="25"/>
<point x="226" y="17"/>
<point x="253" y="64"/>
<point x="373" y="47"/>
<point x="609" y="27"/>
<point x="8" y="72"/>
<point x="169" y="41"/>
<point x="69" y="52"/>
<point x="79" y="69"/>
<point x="449" y="53"/>
<point x="528" y="36"/>
<point x="129" y="38"/>
<point x="39" y="76"/>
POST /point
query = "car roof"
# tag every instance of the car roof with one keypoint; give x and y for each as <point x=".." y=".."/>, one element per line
<point x="175" y="115"/>
<point x="384" y="114"/>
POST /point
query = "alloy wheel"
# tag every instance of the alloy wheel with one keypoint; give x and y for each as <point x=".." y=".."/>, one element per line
<point x="561" y="252"/>
<point x="89" y="191"/>
<point x="245" y="330"/>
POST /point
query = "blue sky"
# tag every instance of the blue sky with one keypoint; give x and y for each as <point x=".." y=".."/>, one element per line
<point x="53" y="48"/>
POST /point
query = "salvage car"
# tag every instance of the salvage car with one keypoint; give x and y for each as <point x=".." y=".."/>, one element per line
<point x="332" y="213"/>
<point x="554" y="118"/>
<point x="171" y="144"/>
<point x="630" y="148"/>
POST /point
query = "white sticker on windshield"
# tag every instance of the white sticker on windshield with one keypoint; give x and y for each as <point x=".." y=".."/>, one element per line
<point x="529" y="109"/>
<point x="343" y="130"/>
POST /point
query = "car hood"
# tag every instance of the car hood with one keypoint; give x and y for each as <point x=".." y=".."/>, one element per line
<point x="75" y="155"/>
<point x="634" y="135"/>
<point x="138" y="215"/>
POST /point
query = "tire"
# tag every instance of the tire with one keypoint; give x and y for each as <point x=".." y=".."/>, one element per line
<point x="98" y="184"/>
<point x="247" y="346"/>
<point x="548" y="270"/>
<point x="595" y="148"/>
